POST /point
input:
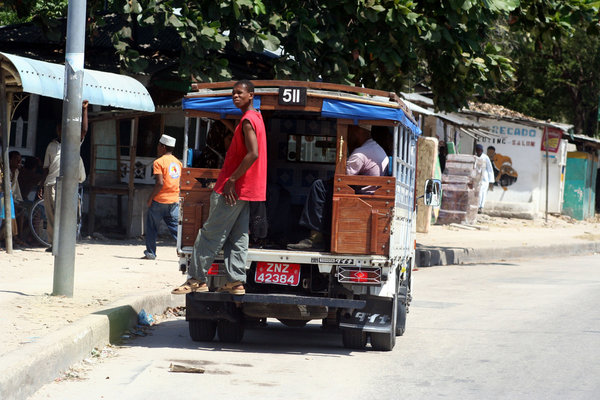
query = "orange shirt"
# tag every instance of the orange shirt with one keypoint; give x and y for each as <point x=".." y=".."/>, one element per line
<point x="170" y="168"/>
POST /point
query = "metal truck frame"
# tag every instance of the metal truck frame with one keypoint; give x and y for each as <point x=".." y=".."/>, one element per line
<point x="362" y="285"/>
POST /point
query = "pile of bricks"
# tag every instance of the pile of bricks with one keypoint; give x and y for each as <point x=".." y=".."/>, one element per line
<point x="460" y="189"/>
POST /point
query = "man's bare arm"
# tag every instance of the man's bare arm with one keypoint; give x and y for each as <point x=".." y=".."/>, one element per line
<point x="251" y="155"/>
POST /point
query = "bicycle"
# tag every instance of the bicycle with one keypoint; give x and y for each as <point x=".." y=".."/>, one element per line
<point x="38" y="222"/>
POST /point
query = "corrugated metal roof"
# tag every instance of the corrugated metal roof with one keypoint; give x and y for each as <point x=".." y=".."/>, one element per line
<point x="465" y="125"/>
<point x="101" y="88"/>
<point x="583" y="138"/>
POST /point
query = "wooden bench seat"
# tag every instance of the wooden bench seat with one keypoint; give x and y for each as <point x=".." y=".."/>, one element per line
<point x="360" y="222"/>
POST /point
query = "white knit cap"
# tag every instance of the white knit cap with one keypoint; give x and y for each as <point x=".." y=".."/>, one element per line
<point x="167" y="140"/>
<point x="367" y="127"/>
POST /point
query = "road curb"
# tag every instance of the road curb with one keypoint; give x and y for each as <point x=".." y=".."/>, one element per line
<point x="24" y="370"/>
<point x="430" y="256"/>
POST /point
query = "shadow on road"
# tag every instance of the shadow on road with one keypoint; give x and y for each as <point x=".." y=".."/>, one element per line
<point x="275" y="338"/>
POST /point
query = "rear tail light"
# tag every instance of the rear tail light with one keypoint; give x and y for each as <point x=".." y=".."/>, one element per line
<point x="213" y="270"/>
<point x="348" y="274"/>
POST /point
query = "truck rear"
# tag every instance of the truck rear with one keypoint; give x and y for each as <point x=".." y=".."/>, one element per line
<point x="361" y="283"/>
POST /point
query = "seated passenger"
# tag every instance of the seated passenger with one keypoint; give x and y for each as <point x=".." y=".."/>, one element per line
<point x="366" y="158"/>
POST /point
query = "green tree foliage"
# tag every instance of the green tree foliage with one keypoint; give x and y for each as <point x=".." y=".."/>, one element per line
<point x="377" y="43"/>
<point x="385" y="44"/>
<point x="556" y="54"/>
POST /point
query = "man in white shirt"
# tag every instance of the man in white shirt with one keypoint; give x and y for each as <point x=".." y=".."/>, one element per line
<point x="367" y="158"/>
<point x="487" y="179"/>
<point x="52" y="169"/>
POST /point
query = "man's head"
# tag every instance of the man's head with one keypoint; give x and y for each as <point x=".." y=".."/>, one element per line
<point x="478" y="149"/>
<point x="358" y="135"/>
<point x="166" y="144"/>
<point x="243" y="94"/>
<point x="491" y="150"/>
<point x="14" y="159"/>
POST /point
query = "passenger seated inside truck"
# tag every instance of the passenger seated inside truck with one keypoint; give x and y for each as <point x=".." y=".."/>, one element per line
<point x="367" y="157"/>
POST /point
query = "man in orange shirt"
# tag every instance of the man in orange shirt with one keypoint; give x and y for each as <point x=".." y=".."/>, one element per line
<point x="163" y="202"/>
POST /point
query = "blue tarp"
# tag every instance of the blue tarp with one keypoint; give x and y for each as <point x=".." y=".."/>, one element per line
<point x="359" y="111"/>
<point x="332" y="108"/>
<point x="222" y="105"/>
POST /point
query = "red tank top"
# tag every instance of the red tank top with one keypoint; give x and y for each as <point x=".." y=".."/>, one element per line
<point x="252" y="186"/>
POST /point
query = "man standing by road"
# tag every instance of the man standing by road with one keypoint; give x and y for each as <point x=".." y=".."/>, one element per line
<point x="163" y="202"/>
<point x="487" y="179"/>
<point x="242" y="179"/>
<point x="52" y="170"/>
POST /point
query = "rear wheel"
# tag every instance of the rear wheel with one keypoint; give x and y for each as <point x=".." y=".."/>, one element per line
<point x="354" y="338"/>
<point x="38" y="223"/>
<point x="202" y="330"/>
<point x="401" y="319"/>
<point x="230" y="332"/>
<point x="385" y="341"/>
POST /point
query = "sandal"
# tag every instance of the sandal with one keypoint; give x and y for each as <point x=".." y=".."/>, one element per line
<point x="236" y="287"/>
<point x="191" y="285"/>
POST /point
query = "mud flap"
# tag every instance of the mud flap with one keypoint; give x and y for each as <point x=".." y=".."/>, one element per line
<point x="375" y="317"/>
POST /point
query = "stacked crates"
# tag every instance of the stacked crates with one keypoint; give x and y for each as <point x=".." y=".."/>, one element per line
<point x="461" y="182"/>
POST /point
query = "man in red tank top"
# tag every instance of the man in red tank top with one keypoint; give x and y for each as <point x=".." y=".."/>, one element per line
<point x="242" y="179"/>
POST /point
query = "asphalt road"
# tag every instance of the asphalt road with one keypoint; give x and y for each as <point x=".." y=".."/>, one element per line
<point x="523" y="330"/>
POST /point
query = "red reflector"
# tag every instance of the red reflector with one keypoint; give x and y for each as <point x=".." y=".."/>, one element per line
<point x="213" y="270"/>
<point x="359" y="276"/>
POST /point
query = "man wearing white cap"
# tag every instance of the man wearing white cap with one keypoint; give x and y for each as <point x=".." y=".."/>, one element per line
<point x="163" y="202"/>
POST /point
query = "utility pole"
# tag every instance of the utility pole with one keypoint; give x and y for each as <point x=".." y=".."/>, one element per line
<point x="546" y="134"/>
<point x="64" y="250"/>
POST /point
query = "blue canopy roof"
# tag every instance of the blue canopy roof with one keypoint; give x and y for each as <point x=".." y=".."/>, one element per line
<point x="359" y="111"/>
<point x="222" y="105"/>
<point x="332" y="108"/>
<point x="101" y="88"/>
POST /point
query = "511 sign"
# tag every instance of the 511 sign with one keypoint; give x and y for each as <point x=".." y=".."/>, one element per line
<point x="292" y="96"/>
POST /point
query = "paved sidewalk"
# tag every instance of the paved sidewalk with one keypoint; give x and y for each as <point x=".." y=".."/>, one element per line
<point x="43" y="335"/>
<point x="505" y="238"/>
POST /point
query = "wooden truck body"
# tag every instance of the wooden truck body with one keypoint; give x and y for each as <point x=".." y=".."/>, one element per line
<point x="361" y="283"/>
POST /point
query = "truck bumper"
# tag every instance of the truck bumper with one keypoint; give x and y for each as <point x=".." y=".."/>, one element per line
<point x="223" y="305"/>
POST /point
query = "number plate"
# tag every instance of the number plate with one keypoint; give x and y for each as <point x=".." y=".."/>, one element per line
<point x="277" y="273"/>
<point x="292" y="96"/>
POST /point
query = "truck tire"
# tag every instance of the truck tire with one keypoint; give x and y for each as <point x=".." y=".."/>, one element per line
<point x="202" y="330"/>
<point x="400" y="318"/>
<point x="293" y="323"/>
<point x="383" y="341"/>
<point x="230" y="332"/>
<point x="354" y="338"/>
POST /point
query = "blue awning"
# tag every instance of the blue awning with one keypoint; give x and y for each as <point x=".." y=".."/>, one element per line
<point x="333" y="108"/>
<point x="358" y="111"/>
<point x="222" y="105"/>
<point x="101" y="88"/>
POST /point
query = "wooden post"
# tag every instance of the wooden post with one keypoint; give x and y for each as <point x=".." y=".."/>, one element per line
<point x="428" y="152"/>
<point x="5" y="101"/>
<point x="341" y="149"/>
<point x="135" y="123"/>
